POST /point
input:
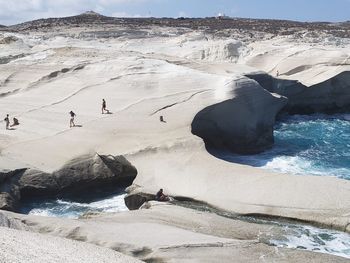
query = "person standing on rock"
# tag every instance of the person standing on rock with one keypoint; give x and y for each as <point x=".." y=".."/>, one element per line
<point x="7" y="121"/>
<point x="104" y="107"/>
<point x="72" y="115"/>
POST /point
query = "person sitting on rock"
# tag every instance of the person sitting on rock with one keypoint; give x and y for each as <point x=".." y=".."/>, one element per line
<point x="15" y="122"/>
<point x="161" y="119"/>
<point x="161" y="197"/>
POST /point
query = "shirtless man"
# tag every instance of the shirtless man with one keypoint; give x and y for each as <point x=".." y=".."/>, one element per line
<point x="7" y="121"/>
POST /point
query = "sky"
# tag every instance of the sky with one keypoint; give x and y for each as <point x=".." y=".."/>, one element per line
<point x="17" y="11"/>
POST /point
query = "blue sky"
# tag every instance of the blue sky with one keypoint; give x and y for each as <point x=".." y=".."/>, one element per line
<point x="16" y="11"/>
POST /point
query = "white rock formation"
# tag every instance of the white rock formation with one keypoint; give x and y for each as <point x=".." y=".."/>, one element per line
<point x="22" y="246"/>
<point x="164" y="233"/>
<point x="142" y="78"/>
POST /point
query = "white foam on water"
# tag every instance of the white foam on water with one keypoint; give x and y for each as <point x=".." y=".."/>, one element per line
<point x="289" y="164"/>
<point x="315" y="239"/>
<point x="301" y="166"/>
<point x="68" y="209"/>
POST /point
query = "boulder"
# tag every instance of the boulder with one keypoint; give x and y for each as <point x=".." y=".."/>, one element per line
<point x="79" y="175"/>
<point x="92" y="171"/>
<point x="243" y="124"/>
<point x="9" y="190"/>
<point x="135" y="200"/>
<point x="35" y="183"/>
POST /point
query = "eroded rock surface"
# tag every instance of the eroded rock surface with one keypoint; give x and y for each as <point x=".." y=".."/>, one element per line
<point x="332" y="95"/>
<point x="168" y="233"/>
<point x="79" y="175"/>
<point x="9" y="189"/>
<point x="243" y="124"/>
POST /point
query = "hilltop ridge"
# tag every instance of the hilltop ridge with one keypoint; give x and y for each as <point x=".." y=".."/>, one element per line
<point x="211" y="24"/>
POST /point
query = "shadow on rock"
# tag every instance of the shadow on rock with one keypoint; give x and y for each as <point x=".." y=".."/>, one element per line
<point x="81" y="175"/>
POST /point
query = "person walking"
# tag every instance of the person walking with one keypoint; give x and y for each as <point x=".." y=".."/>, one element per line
<point x="7" y="121"/>
<point x="72" y="115"/>
<point x="104" y="107"/>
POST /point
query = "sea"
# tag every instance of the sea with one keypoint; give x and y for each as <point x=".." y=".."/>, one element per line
<point x="317" y="145"/>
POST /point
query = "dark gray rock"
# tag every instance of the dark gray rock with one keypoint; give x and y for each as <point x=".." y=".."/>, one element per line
<point x="9" y="189"/>
<point x="35" y="183"/>
<point x="134" y="201"/>
<point x="243" y="124"/>
<point x="93" y="171"/>
<point x="77" y="176"/>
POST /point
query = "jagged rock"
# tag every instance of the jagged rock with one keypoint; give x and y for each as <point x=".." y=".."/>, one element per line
<point x="8" y="40"/>
<point x="9" y="190"/>
<point x="7" y="202"/>
<point x="35" y="183"/>
<point x="243" y="124"/>
<point x="332" y="95"/>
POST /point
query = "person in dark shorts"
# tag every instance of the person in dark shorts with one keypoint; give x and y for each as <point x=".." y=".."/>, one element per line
<point x="72" y="115"/>
<point x="7" y="121"/>
<point x="104" y="107"/>
<point x="161" y="197"/>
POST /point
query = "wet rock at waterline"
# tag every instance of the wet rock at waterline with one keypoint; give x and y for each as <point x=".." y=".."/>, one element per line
<point x="135" y="200"/>
<point x="79" y="175"/>
<point x="9" y="189"/>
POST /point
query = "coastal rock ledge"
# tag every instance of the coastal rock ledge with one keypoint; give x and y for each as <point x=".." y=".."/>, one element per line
<point x="77" y="176"/>
<point x="243" y="124"/>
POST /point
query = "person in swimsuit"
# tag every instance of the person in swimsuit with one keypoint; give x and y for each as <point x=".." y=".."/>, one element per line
<point x="72" y="115"/>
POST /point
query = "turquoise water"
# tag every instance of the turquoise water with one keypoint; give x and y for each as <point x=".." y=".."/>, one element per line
<point x="313" y="145"/>
<point x="76" y="207"/>
<point x="316" y="144"/>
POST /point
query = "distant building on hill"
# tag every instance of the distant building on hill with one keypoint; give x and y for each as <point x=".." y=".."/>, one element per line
<point x="222" y="16"/>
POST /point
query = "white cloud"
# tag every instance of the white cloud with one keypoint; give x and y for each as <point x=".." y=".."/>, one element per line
<point x="15" y="11"/>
